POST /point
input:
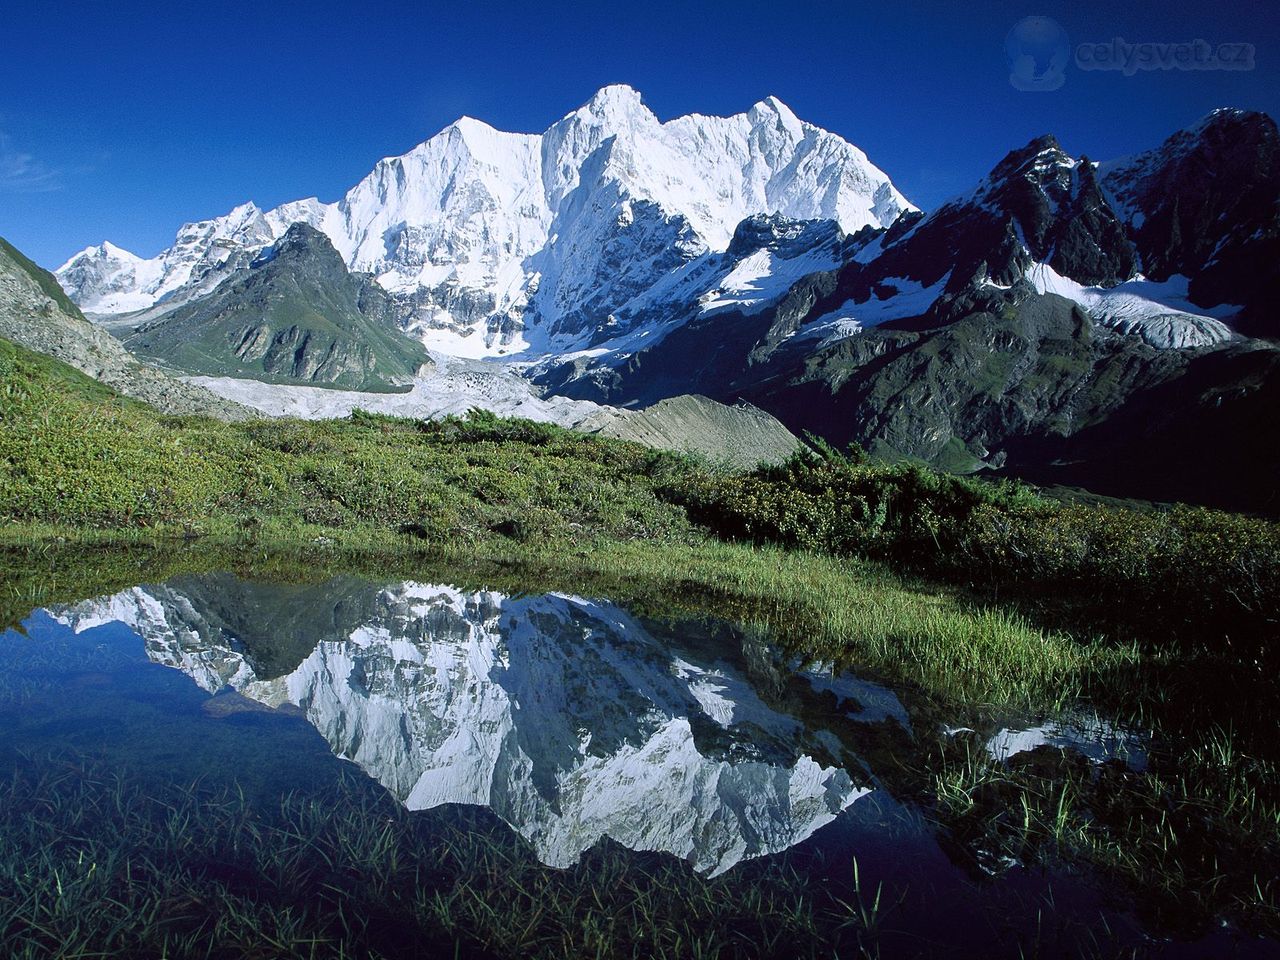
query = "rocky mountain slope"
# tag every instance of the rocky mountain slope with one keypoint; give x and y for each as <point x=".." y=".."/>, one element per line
<point x="295" y="314"/>
<point x="1203" y="205"/>
<point x="569" y="718"/>
<point x="35" y="313"/>
<point x="740" y="435"/>
<point x="495" y="243"/>
<point x="1010" y="327"/>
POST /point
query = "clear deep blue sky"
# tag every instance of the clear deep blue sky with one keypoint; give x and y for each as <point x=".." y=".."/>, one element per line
<point x="122" y="120"/>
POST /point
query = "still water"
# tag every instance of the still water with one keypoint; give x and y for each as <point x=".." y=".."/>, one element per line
<point x="570" y="726"/>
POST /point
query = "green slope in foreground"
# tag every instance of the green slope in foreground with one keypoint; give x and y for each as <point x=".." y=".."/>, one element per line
<point x="803" y="546"/>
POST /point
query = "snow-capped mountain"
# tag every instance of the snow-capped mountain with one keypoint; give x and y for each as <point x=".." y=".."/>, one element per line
<point x="1040" y="222"/>
<point x="1107" y="237"/>
<point x="622" y="260"/>
<point x="1061" y="319"/>
<point x="108" y="280"/>
<point x="567" y="717"/>
<point x="497" y="242"/>
<point x="1138" y="244"/>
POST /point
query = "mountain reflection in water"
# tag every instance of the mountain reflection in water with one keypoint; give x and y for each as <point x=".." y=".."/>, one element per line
<point x="569" y="718"/>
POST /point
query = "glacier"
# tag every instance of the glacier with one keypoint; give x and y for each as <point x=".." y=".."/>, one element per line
<point x="1160" y="313"/>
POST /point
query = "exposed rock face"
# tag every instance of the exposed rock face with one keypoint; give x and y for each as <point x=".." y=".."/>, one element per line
<point x="1043" y="391"/>
<point x="567" y="717"/>
<point x="294" y="314"/>
<point x="997" y="328"/>
<point x="35" y="313"/>
<point x="737" y="436"/>
<point x="1087" y="242"/>
<point x="1206" y="204"/>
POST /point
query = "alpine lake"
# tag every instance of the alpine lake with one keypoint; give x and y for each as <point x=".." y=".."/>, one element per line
<point x="230" y="763"/>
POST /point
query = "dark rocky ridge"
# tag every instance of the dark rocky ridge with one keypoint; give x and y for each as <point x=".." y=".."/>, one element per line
<point x="1207" y="205"/>
<point x="995" y="374"/>
<point x="37" y="314"/>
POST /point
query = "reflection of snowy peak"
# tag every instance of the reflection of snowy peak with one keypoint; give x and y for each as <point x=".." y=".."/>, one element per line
<point x="173" y="631"/>
<point x="566" y="717"/>
<point x="483" y="234"/>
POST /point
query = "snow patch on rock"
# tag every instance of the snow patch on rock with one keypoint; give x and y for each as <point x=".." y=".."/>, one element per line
<point x="1159" y="313"/>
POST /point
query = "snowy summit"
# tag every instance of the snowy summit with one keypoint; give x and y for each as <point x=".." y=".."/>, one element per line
<point x="495" y="242"/>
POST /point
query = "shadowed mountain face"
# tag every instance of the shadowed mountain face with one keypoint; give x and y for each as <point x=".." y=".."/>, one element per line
<point x="294" y="314"/>
<point x="1204" y="205"/>
<point x="1063" y="321"/>
<point x="569" y="718"/>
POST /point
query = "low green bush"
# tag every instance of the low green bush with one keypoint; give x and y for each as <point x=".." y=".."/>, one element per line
<point x="1206" y="577"/>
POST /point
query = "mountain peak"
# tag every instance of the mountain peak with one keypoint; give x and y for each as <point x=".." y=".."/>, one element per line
<point x="1227" y="123"/>
<point x="773" y="110"/>
<point x="480" y="139"/>
<point x="109" y="249"/>
<point x="1045" y="143"/>
<point x="465" y="124"/>
<point x="302" y="239"/>
<point x="1039" y="157"/>
<point x="615" y="103"/>
<point x="106" y="250"/>
<point x="243" y="212"/>
<point x="1231" y="114"/>
<point x="295" y="314"/>
<point x="774" y="105"/>
<point x="615" y="93"/>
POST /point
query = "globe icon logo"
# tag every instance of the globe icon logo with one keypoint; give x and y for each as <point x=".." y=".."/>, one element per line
<point x="1037" y="50"/>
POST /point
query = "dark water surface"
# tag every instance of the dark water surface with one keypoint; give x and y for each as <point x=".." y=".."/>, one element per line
<point x="564" y="727"/>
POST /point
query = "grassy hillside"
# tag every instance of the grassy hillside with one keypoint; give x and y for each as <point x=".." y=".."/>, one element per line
<point x="75" y="457"/>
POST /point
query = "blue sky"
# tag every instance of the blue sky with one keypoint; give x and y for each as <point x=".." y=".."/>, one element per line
<point x="122" y="120"/>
